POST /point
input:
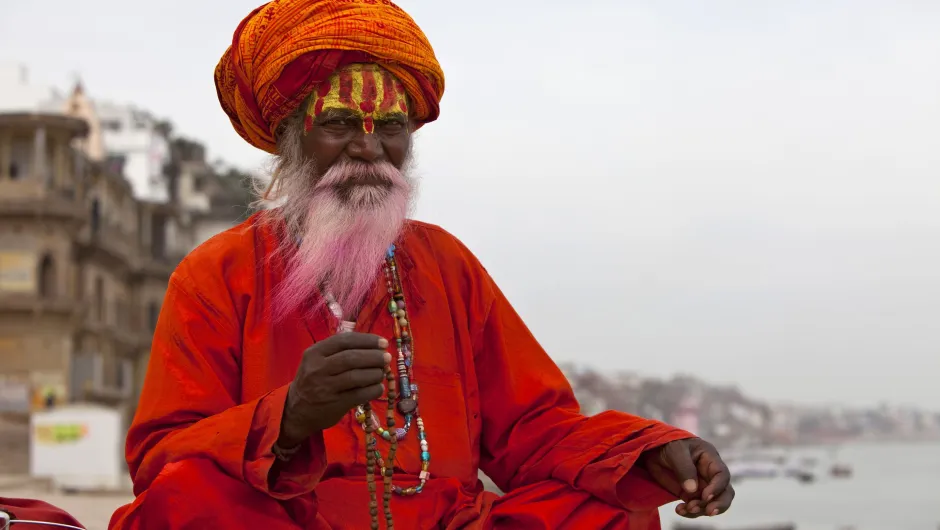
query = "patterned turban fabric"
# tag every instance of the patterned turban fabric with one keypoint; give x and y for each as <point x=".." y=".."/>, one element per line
<point x="285" y="48"/>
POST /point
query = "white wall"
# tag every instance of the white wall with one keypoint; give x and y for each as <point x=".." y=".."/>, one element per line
<point x="132" y="133"/>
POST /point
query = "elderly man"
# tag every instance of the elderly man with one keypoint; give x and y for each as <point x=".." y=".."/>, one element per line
<point x="330" y="364"/>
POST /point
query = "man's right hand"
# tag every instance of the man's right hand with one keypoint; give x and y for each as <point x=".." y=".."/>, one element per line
<point x="335" y="375"/>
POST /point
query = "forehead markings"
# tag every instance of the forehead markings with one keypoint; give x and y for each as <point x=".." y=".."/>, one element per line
<point x="368" y="91"/>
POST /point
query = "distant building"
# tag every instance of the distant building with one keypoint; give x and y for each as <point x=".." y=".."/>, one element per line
<point x="129" y="140"/>
<point x="83" y="272"/>
<point x="210" y="197"/>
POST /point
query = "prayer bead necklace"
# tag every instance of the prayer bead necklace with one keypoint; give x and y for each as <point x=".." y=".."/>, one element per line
<point x="401" y="394"/>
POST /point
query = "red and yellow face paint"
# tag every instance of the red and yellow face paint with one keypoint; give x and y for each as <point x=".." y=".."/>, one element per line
<point x="368" y="90"/>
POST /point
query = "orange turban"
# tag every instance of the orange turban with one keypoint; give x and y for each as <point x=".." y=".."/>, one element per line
<point x="283" y="49"/>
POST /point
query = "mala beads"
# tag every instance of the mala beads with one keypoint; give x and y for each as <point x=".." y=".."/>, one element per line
<point x="402" y="394"/>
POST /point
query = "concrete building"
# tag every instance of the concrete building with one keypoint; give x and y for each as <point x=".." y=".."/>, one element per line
<point x="211" y="198"/>
<point x="97" y="207"/>
<point x="83" y="271"/>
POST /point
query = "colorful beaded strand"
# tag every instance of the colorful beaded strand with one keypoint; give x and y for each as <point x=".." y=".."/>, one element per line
<point x="401" y="394"/>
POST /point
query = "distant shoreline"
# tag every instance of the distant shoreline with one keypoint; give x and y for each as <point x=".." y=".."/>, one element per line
<point x="830" y="442"/>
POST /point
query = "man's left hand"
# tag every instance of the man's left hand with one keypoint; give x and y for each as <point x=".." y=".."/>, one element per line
<point x="693" y="471"/>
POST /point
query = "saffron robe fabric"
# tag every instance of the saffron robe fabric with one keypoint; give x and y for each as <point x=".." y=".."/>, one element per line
<point x="33" y="510"/>
<point x="490" y="396"/>
<point x="282" y="50"/>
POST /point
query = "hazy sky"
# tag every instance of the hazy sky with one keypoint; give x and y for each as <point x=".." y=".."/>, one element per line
<point x="747" y="191"/>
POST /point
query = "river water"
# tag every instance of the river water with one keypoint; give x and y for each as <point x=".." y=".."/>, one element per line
<point x="894" y="487"/>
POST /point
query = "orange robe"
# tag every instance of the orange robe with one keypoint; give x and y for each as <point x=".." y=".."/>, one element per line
<point x="199" y="449"/>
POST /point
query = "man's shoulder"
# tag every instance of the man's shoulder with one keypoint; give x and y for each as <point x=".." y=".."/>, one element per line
<point x="431" y="232"/>
<point x="443" y="247"/>
<point x="435" y="239"/>
<point x="222" y="255"/>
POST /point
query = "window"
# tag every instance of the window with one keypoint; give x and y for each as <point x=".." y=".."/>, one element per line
<point x="95" y="216"/>
<point x="124" y="375"/>
<point x="120" y="312"/>
<point x="47" y="277"/>
<point x="99" y="299"/>
<point x="115" y="164"/>
<point x="111" y="125"/>
<point x="158" y="236"/>
<point x="21" y="156"/>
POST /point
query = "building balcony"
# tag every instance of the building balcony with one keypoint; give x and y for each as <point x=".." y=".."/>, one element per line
<point x="113" y="246"/>
<point x="30" y="199"/>
<point x="122" y="336"/>
<point x="34" y="304"/>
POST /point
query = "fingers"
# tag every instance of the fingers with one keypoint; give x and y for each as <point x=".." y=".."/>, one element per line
<point x="721" y="503"/>
<point x="359" y="378"/>
<point x="691" y="509"/>
<point x="716" y="473"/>
<point x="358" y="396"/>
<point x="350" y="341"/>
<point x="679" y="458"/>
<point x="347" y="360"/>
<point x="711" y="468"/>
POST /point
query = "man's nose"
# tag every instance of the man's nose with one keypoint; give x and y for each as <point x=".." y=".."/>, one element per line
<point x="365" y="146"/>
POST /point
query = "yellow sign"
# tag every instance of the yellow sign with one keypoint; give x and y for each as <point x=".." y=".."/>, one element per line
<point x="18" y="272"/>
<point x="60" y="434"/>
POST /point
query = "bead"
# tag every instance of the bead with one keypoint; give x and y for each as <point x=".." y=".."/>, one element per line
<point x="401" y="393"/>
<point x="407" y="406"/>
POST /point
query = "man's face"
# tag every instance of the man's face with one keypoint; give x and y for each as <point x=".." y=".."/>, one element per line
<point x="348" y="191"/>
<point x="359" y="115"/>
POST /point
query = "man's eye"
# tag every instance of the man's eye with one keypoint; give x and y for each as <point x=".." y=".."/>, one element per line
<point x="391" y="125"/>
<point x="336" y="122"/>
